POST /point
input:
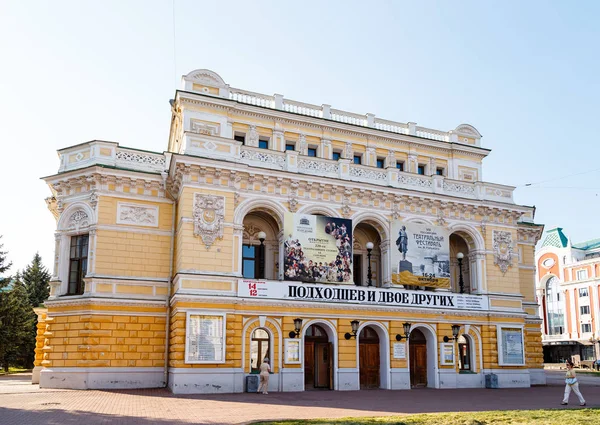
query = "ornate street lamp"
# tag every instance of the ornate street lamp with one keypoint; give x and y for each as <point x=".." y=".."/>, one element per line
<point x="455" y="331"/>
<point x="461" y="283"/>
<point x="369" y="275"/>
<point x="297" y="327"/>
<point x="354" y="325"/>
<point x="406" y="327"/>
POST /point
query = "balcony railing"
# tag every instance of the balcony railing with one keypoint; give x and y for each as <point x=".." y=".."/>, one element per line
<point x="345" y="117"/>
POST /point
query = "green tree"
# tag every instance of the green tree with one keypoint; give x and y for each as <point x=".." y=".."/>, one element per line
<point x="36" y="278"/>
<point x="4" y="266"/>
<point x="17" y="341"/>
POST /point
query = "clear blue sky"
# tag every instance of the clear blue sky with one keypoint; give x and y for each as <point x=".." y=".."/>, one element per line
<point x="524" y="73"/>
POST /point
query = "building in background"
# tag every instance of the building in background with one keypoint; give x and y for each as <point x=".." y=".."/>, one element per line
<point x="352" y="251"/>
<point x="568" y="276"/>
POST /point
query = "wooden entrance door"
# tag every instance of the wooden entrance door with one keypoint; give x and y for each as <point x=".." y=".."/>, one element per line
<point x="322" y="360"/>
<point x="368" y="354"/>
<point x="318" y="359"/>
<point x="418" y="359"/>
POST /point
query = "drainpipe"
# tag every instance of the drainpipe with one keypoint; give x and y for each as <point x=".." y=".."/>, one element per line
<point x="168" y="321"/>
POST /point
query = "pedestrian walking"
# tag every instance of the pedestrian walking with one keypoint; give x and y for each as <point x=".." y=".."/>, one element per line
<point x="265" y="369"/>
<point x="572" y="384"/>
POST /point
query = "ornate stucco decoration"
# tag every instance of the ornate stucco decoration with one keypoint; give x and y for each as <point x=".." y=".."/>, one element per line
<point x="137" y="214"/>
<point x="293" y="204"/>
<point x="503" y="249"/>
<point x="209" y="213"/>
<point x="78" y="220"/>
<point x="252" y="136"/>
<point x="251" y="232"/>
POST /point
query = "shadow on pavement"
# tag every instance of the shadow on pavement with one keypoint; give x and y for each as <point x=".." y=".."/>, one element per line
<point x="53" y="416"/>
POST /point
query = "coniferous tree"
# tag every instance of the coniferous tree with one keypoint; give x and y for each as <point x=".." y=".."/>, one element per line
<point x="17" y="341"/>
<point x="4" y="266"/>
<point x="36" y="278"/>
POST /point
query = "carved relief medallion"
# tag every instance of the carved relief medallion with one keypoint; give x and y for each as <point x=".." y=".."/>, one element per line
<point x="209" y="213"/>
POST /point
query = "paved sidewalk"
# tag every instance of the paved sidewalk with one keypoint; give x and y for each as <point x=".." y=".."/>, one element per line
<point x="24" y="404"/>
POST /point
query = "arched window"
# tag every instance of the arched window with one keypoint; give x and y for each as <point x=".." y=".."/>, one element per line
<point x="259" y="348"/>
<point x="464" y="353"/>
<point x="554" y="312"/>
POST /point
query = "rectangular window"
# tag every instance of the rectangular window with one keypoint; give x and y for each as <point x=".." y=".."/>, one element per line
<point x="240" y="137"/>
<point x="582" y="274"/>
<point x="357" y="159"/>
<point x="249" y="262"/>
<point x="205" y="338"/>
<point x="312" y="152"/>
<point x="77" y="264"/>
<point x="585" y="309"/>
<point x="263" y="144"/>
<point x="439" y="171"/>
<point x="400" y="166"/>
<point x="290" y="147"/>
<point x="421" y="170"/>
<point x="379" y="163"/>
<point x="336" y="155"/>
<point x="586" y="328"/>
<point x="583" y="292"/>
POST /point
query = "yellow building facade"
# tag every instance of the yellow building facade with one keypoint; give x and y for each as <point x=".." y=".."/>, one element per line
<point x="177" y="269"/>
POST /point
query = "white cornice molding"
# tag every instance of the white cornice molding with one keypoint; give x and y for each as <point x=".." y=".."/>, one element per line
<point x="81" y="300"/>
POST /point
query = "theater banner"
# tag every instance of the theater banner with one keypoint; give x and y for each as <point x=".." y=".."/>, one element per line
<point x="317" y="248"/>
<point x="420" y="255"/>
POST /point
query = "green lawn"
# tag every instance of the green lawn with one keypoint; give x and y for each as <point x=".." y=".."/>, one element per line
<point x="13" y="370"/>
<point x="512" y="417"/>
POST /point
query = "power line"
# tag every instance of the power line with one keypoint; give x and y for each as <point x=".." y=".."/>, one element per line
<point x="560" y="178"/>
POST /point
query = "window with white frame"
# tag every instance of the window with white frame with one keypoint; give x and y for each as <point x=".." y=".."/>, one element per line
<point x="205" y="338"/>
<point x="582" y="274"/>
<point x="78" y="259"/>
<point x="584" y="309"/>
<point x="259" y="348"/>
<point x="510" y="346"/>
<point x="583" y="292"/>
<point x="586" y="328"/>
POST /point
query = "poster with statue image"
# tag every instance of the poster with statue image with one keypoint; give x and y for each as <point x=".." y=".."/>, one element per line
<point x="420" y="255"/>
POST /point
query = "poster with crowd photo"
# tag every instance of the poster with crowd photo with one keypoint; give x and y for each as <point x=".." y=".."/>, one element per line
<point x="317" y="249"/>
<point x="420" y="255"/>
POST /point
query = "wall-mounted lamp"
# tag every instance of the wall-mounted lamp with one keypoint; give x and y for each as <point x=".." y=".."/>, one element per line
<point x="297" y="327"/>
<point x="354" y="325"/>
<point x="455" y="331"/>
<point x="406" y="327"/>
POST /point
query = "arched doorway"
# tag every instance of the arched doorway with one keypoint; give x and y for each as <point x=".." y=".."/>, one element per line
<point x="318" y="359"/>
<point x="368" y="352"/>
<point x="418" y="359"/>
